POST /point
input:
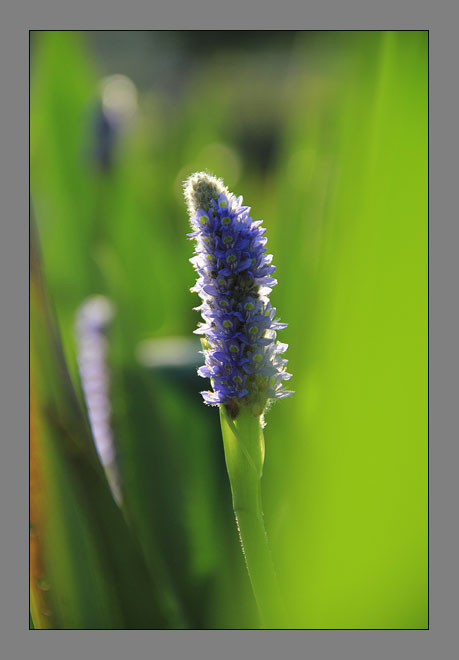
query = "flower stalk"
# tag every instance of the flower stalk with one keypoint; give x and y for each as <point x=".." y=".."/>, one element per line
<point x="244" y="447"/>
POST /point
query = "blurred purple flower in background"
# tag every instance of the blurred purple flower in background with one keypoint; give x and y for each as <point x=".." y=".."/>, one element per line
<point x="92" y="320"/>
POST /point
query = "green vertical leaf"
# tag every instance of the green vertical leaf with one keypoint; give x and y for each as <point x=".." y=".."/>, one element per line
<point x="95" y="570"/>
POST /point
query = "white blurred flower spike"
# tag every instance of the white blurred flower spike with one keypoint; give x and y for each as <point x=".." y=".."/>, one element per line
<point x="115" y="113"/>
<point x="119" y="98"/>
<point x="92" y="320"/>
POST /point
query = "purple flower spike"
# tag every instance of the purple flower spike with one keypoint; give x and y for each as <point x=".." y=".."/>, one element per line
<point x="242" y="357"/>
<point x="92" y="319"/>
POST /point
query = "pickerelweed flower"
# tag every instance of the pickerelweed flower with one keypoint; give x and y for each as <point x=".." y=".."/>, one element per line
<point x="243" y="360"/>
<point x="92" y="319"/>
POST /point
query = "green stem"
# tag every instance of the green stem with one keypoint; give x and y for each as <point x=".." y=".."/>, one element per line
<point x="244" y="454"/>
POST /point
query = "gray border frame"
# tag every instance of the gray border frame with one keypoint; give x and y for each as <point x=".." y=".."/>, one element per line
<point x="437" y="642"/>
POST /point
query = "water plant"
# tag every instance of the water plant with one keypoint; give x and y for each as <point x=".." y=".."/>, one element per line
<point x="243" y="359"/>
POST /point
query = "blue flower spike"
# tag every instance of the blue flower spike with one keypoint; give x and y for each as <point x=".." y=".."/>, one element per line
<point x="243" y="359"/>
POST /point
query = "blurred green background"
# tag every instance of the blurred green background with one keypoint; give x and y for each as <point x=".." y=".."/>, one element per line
<point x="325" y="136"/>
